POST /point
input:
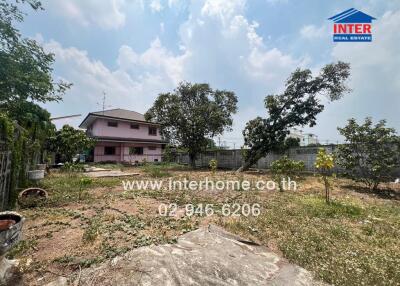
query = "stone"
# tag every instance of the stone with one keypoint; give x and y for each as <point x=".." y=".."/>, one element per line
<point x="207" y="256"/>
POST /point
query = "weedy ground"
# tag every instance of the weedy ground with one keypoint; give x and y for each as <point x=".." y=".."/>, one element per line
<point x="352" y="241"/>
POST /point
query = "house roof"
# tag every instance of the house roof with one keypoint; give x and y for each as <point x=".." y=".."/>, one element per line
<point x="352" y="16"/>
<point x="117" y="113"/>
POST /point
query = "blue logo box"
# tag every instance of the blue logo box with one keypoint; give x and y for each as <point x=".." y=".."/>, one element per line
<point x="352" y="38"/>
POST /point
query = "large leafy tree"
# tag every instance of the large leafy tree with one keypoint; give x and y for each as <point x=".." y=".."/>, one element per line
<point x="26" y="78"/>
<point x="193" y="114"/>
<point x="298" y="105"/>
<point x="25" y="68"/>
<point x="370" y="151"/>
<point x="68" y="141"/>
<point x="36" y="122"/>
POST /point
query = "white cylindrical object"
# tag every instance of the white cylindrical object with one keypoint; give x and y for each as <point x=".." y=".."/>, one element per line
<point x="36" y="174"/>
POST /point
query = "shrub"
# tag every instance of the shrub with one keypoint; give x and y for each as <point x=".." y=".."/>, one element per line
<point x="285" y="167"/>
<point x="213" y="164"/>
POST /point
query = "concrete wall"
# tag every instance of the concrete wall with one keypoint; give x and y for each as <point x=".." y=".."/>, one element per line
<point x="232" y="159"/>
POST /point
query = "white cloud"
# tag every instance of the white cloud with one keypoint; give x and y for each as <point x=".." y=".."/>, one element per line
<point x="227" y="51"/>
<point x="156" y="6"/>
<point x="313" y="32"/>
<point x="105" y="14"/>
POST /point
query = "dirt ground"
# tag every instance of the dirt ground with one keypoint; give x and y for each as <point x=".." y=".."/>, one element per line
<point x="82" y="226"/>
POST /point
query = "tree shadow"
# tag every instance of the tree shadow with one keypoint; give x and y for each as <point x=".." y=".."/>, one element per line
<point x="383" y="192"/>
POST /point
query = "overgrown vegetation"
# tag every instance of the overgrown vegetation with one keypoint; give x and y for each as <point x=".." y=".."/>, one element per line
<point x="350" y="241"/>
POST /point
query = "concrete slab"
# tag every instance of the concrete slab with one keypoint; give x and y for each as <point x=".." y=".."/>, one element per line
<point x="95" y="169"/>
<point x="112" y="173"/>
<point x="207" y="256"/>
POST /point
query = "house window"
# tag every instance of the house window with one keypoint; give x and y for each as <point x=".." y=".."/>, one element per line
<point x="135" y="150"/>
<point x="109" y="150"/>
<point x="152" y="148"/>
<point x="112" y="123"/>
<point x="152" y="131"/>
<point x="134" y="126"/>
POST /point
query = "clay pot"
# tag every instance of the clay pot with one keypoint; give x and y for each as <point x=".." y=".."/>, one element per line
<point x="32" y="197"/>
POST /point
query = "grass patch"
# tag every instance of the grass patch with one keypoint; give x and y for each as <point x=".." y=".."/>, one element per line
<point x="162" y="169"/>
<point x="348" y="242"/>
<point x="21" y="248"/>
<point x="66" y="188"/>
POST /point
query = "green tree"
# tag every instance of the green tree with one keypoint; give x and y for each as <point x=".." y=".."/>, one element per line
<point x="298" y="105"/>
<point x="25" y="68"/>
<point x="68" y="142"/>
<point x="192" y="114"/>
<point x="37" y="124"/>
<point x="370" y="151"/>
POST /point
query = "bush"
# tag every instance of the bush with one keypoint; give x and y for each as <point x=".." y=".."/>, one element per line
<point x="370" y="152"/>
<point x="285" y="167"/>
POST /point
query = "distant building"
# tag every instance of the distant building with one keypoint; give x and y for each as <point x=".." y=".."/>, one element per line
<point x="305" y="138"/>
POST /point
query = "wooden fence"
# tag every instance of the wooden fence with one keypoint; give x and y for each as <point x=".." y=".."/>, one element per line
<point x="5" y="176"/>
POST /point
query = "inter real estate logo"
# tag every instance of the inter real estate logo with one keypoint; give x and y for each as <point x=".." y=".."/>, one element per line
<point x="352" y="26"/>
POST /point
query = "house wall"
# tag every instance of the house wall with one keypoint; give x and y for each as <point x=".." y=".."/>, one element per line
<point x="122" y="152"/>
<point x="100" y="128"/>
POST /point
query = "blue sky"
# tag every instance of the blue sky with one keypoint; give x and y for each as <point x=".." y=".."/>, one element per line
<point x="133" y="50"/>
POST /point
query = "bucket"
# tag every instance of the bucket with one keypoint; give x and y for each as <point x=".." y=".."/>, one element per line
<point x="41" y="166"/>
<point x="36" y="174"/>
<point x="10" y="230"/>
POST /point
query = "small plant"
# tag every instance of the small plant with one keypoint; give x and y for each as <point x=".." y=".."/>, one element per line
<point x="92" y="230"/>
<point x="324" y="164"/>
<point x="213" y="164"/>
<point x="285" y="168"/>
<point x="83" y="184"/>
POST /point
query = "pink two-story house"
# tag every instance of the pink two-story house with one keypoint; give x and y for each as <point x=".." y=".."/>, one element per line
<point x="123" y="136"/>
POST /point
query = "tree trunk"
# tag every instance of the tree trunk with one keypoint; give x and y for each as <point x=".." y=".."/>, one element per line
<point x="327" y="198"/>
<point x="192" y="160"/>
<point x="248" y="163"/>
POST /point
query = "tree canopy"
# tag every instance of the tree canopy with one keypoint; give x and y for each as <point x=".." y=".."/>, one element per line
<point x="193" y="114"/>
<point x="298" y="105"/>
<point x="370" y="151"/>
<point x="68" y="141"/>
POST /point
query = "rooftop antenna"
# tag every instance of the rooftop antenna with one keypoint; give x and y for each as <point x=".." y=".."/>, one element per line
<point x="103" y="104"/>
